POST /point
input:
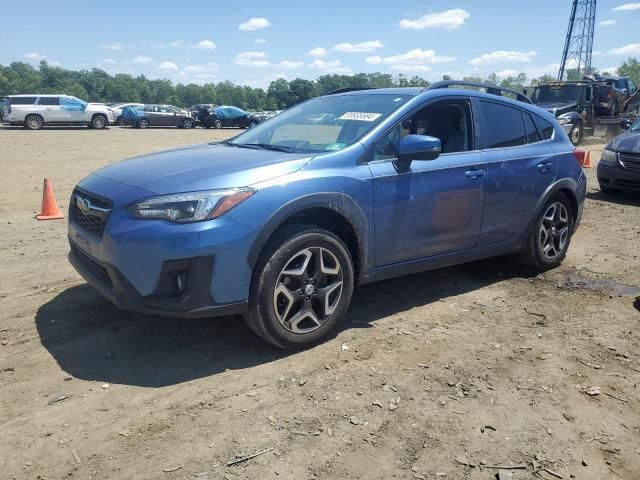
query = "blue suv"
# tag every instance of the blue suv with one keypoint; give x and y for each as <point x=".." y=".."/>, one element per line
<point x="281" y="222"/>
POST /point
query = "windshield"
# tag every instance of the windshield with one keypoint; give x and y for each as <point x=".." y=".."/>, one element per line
<point x="323" y="124"/>
<point x="557" y="94"/>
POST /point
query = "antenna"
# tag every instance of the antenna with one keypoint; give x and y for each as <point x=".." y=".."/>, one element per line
<point x="578" y="46"/>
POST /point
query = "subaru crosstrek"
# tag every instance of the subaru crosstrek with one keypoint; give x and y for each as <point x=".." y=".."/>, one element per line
<point x="281" y="222"/>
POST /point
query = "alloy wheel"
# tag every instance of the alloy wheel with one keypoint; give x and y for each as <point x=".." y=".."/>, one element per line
<point x="554" y="231"/>
<point x="308" y="290"/>
<point x="34" y="122"/>
<point x="575" y="135"/>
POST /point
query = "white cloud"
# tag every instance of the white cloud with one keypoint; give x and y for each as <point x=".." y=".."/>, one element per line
<point x="176" y="43"/>
<point x="415" y="60"/>
<point x="502" y="56"/>
<point x="262" y="81"/>
<point x="108" y="61"/>
<point x="449" y="20"/>
<point x="609" y="70"/>
<point x="254" y="23"/>
<point x="204" y="45"/>
<point x="168" y="67"/>
<point x="113" y="46"/>
<point x="317" y="52"/>
<point x="260" y="40"/>
<point x="334" y="66"/>
<point x="35" y="57"/>
<point x="632" y="50"/>
<point x="201" y="73"/>
<point x="159" y="45"/>
<point x="142" y="60"/>
<point x="507" y="73"/>
<point x="626" y="7"/>
<point x="369" y="46"/>
<point x="288" y="64"/>
<point x="252" y="59"/>
<point x="607" y="23"/>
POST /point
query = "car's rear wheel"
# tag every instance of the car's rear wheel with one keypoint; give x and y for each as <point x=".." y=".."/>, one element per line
<point x="142" y="123"/>
<point x="33" y="122"/>
<point x="187" y="123"/>
<point x="551" y="236"/>
<point x="217" y="124"/>
<point x="302" y="287"/>
<point x="99" y="122"/>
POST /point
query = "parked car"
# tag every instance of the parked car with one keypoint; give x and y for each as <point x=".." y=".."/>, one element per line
<point x="117" y="109"/>
<point x="144" y="116"/>
<point x="227" y="116"/>
<point x="36" y="111"/>
<point x="619" y="166"/>
<point x="283" y="221"/>
<point x="200" y="111"/>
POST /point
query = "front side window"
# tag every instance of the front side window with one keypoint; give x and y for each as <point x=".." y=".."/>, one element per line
<point x="503" y="126"/>
<point x="344" y="120"/>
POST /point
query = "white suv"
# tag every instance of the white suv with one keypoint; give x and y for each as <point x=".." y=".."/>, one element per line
<point x="35" y="111"/>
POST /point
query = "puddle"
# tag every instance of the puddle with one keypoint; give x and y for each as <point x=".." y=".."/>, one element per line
<point x="573" y="279"/>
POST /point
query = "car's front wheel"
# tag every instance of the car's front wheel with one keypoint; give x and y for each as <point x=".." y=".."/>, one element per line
<point x="217" y="124"/>
<point x="575" y="134"/>
<point x="551" y="235"/>
<point x="301" y="288"/>
<point x="99" y="122"/>
<point x="187" y="123"/>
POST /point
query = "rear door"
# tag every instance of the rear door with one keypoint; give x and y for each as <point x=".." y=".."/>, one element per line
<point x="521" y="165"/>
<point x="436" y="206"/>
<point x="51" y="111"/>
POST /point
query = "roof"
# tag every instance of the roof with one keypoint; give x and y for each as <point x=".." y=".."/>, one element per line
<point x="40" y="95"/>
<point x="413" y="91"/>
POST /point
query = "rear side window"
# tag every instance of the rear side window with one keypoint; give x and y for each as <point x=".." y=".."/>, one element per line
<point x="532" y="132"/>
<point x="545" y="127"/>
<point x="503" y="126"/>
<point x="49" y="101"/>
<point x="23" y="100"/>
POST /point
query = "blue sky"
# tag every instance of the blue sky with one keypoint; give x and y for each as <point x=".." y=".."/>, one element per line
<point x="255" y="41"/>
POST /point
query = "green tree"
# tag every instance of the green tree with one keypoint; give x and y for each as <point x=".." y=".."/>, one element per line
<point x="631" y="68"/>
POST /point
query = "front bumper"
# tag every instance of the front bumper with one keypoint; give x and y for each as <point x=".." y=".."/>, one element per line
<point x="618" y="177"/>
<point x="135" y="263"/>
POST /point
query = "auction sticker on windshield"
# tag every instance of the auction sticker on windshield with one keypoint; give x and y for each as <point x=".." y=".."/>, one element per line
<point x="360" y="116"/>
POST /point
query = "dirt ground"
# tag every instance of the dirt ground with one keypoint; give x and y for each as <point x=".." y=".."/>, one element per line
<point x="484" y="364"/>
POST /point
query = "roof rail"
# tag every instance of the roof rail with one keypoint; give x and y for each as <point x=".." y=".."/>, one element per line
<point x="491" y="89"/>
<point x="348" y="89"/>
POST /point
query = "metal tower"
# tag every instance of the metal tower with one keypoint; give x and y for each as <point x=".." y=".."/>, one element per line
<point x="579" y="43"/>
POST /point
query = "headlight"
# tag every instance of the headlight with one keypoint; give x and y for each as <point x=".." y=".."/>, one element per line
<point x="190" y="207"/>
<point x="564" y="120"/>
<point x="609" y="157"/>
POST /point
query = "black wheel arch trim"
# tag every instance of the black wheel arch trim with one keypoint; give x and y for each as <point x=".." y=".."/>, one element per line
<point x="340" y="203"/>
<point x="566" y="185"/>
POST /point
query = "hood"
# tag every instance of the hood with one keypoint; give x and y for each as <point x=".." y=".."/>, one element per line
<point x="98" y="108"/>
<point x="626" y="143"/>
<point x="558" y="108"/>
<point x="203" y="167"/>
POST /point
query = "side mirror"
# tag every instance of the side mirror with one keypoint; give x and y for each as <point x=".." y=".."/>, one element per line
<point x="417" y="147"/>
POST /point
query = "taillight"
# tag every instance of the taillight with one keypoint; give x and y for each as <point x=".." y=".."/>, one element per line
<point x="583" y="157"/>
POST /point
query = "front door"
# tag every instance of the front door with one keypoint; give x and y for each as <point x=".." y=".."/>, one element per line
<point x="436" y="206"/>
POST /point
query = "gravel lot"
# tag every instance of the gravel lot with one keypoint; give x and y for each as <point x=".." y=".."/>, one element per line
<point x="484" y="364"/>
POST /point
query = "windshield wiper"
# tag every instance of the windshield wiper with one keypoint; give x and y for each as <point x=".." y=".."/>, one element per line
<point x="266" y="146"/>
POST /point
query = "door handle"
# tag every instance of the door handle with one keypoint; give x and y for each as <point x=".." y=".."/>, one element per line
<point x="544" y="167"/>
<point x="474" y="174"/>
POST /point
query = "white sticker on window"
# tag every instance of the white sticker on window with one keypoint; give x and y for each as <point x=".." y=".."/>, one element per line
<point x="361" y="116"/>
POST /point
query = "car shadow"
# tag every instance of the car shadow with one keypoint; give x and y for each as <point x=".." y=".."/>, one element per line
<point x="619" y="198"/>
<point x="92" y="340"/>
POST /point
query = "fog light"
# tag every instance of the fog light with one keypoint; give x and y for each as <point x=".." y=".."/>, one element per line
<point x="181" y="282"/>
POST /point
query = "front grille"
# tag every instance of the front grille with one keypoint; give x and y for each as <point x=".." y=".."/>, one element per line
<point x="94" y="219"/>
<point x="99" y="271"/>
<point x="630" y="161"/>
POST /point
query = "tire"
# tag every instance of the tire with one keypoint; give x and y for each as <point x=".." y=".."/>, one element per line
<point x="120" y="121"/>
<point x="575" y="134"/>
<point x="551" y="236"/>
<point x="301" y="287"/>
<point x="99" y="122"/>
<point x="217" y="124"/>
<point x="187" y="123"/>
<point x="252" y="124"/>
<point x="142" y="123"/>
<point x="33" y="122"/>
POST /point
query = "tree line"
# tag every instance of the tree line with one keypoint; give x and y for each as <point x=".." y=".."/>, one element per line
<point x="96" y="85"/>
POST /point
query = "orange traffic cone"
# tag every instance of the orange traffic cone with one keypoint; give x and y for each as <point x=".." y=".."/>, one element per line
<point x="587" y="159"/>
<point x="50" y="210"/>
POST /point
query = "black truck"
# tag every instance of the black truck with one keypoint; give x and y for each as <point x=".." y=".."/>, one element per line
<point x="588" y="107"/>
